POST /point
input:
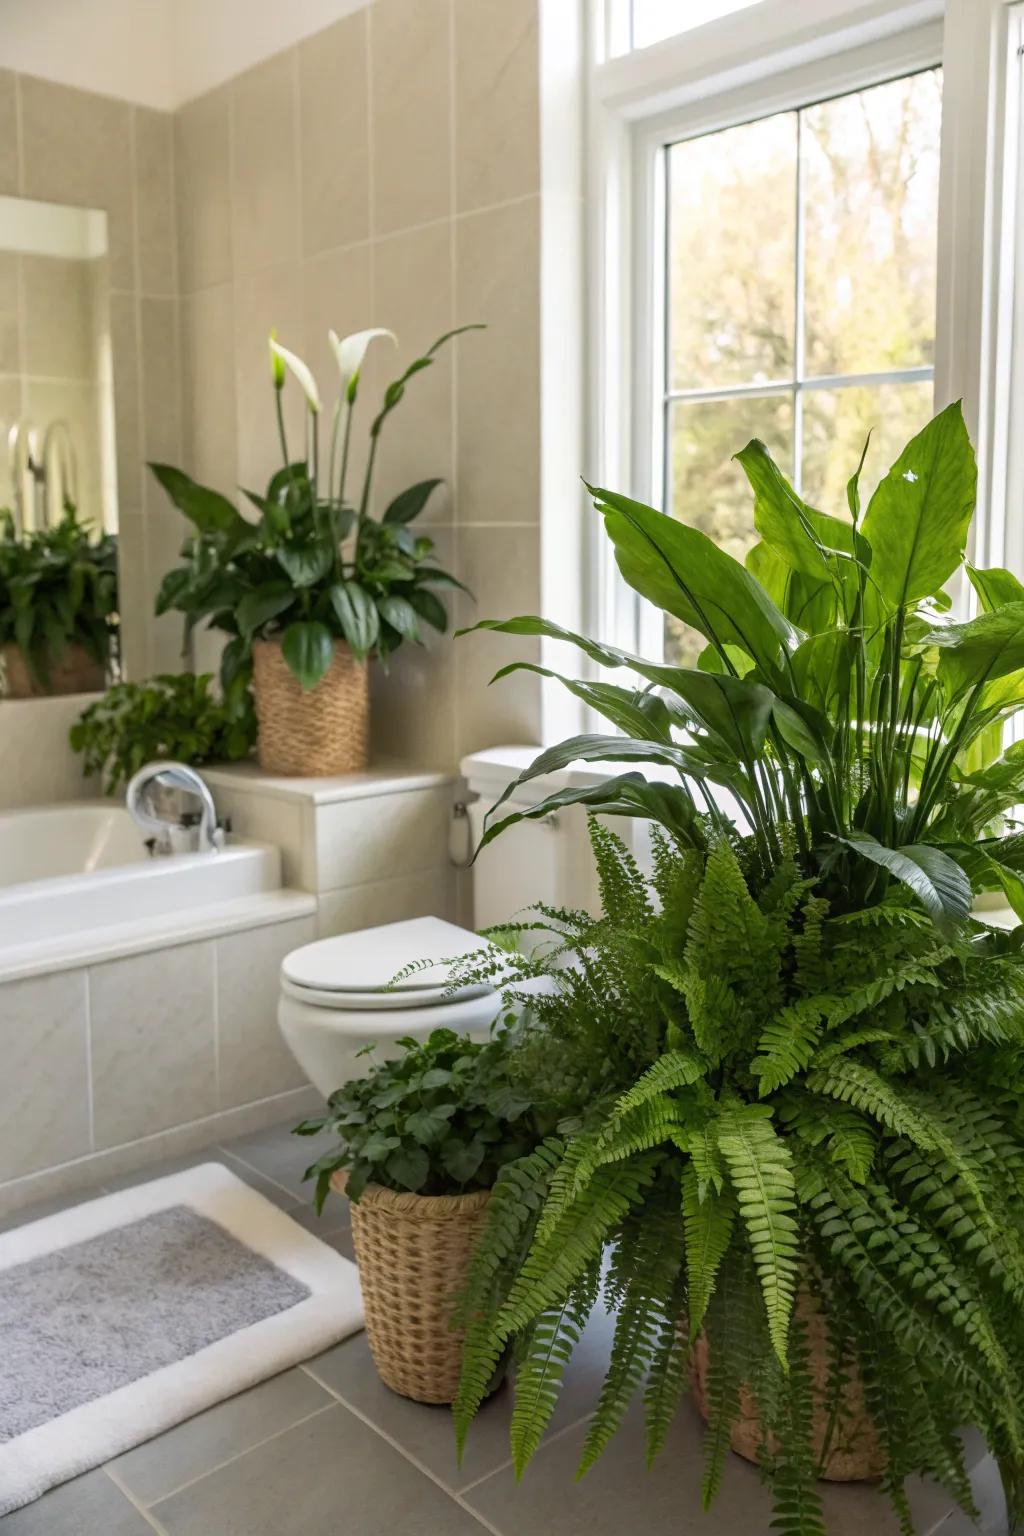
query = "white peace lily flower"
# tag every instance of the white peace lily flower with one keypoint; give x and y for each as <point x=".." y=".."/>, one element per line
<point x="350" y="351"/>
<point x="301" y="371"/>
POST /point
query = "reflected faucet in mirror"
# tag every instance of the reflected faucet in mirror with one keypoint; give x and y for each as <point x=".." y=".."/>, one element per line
<point x="44" y="483"/>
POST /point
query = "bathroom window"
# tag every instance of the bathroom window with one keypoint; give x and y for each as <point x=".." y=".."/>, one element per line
<point x="799" y="300"/>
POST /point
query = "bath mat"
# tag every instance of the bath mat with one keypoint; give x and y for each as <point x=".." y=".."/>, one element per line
<point x="122" y="1317"/>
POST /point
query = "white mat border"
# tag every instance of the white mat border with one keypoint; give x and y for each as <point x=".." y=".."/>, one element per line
<point x="106" y="1427"/>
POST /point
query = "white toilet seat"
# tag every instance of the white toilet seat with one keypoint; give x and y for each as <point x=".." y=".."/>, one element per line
<point x="459" y="1013"/>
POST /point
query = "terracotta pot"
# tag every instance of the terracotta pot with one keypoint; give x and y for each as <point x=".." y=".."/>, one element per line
<point x="316" y="733"/>
<point x="414" y="1253"/>
<point x="75" y="672"/>
<point x="854" y="1455"/>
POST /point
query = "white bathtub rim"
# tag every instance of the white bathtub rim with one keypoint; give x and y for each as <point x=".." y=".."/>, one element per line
<point x="113" y="874"/>
<point x="93" y="946"/>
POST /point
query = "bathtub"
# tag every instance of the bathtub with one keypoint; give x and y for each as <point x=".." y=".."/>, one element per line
<point x="69" y="871"/>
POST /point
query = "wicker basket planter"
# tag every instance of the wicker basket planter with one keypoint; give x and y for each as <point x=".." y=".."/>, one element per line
<point x="75" y="672"/>
<point x="854" y="1455"/>
<point x="413" y="1253"/>
<point x="314" y="734"/>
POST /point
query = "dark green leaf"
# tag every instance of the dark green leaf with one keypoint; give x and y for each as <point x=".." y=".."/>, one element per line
<point x="308" y="650"/>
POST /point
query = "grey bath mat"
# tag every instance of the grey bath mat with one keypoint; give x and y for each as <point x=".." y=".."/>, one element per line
<point x="121" y="1317"/>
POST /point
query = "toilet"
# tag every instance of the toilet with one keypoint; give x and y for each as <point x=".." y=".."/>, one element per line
<point x="335" y="996"/>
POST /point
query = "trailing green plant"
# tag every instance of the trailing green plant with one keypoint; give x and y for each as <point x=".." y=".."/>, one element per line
<point x="177" y="716"/>
<point x="58" y="588"/>
<point x="791" y="1060"/>
<point x="311" y="565"/>
<point x="440" y="1118"/>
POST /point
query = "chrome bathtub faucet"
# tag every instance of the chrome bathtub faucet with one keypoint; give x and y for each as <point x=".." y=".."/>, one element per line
<point x="161" y="800"/>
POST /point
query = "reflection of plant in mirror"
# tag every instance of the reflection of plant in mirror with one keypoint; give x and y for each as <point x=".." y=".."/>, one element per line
<point x="58" y="589"/>
<point x="315" y="567"/>
<point x="176" y="717"/>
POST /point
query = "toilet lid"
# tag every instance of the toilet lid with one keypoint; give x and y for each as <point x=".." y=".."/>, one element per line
<point x="353" y="970"/>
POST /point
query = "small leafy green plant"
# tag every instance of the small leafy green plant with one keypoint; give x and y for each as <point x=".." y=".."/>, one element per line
<point x="440" y="1118"/>
<point x="313" y="566"/>
<point x="177" y="716"/>
<point x="58" y="588"/>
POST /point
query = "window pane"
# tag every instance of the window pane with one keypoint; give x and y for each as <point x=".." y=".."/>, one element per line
<point x="709" y="491"/>
<point x="871" y="176"/>
<point x="732" y="254"/>
<point x="835" y="426"/>
<point x="654" y="20"/>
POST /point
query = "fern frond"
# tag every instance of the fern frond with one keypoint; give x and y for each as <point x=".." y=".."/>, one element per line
<point x="708" y="1219"/>
<point x="623" y="889"/>
<point x="539" y="1376"/>
<point x="796" y="1501"/>
<point x="761" y="1171"/>
<point x="676" y="1069"/>
<point x="668" y="1374"/>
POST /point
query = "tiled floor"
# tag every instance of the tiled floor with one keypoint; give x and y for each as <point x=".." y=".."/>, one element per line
<point x="326" y="1450"/>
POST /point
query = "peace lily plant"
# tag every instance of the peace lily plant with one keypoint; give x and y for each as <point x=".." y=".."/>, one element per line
<point x="787" y="1065"/>
<point x="314" y="572"/>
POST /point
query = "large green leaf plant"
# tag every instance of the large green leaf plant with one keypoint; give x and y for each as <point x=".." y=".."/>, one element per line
<point x="788" y="1065"/>
<point x="58" y="588"/>
<point x="310" y="565"/>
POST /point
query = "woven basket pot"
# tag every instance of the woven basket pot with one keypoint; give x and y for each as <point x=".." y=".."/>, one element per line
<point x="413" y="1253"/>
<point x="854" y="1454"/>
<point x="316" y="733"/>
<point x="75" y="672"/>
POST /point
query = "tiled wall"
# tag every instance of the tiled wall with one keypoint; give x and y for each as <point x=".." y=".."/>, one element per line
<point x="385" y="172"/>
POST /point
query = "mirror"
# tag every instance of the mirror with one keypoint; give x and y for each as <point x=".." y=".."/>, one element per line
<point x="58" y="466"/>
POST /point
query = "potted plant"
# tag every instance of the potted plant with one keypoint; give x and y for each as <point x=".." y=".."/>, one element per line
<point x="421" y="1140"/>
<point x="177" y="716"/>
<point x="314" y="586"/>
<point x="792" y="1058"/>
<point x="58" y="607"/>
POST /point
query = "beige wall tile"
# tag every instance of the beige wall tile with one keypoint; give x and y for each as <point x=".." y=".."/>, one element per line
<point x="412" y="296"/>
<point x="412" y="712"/>
<point x="10" y="411"/>
<point x="253" y="1060"/>
<point x="264" y="301"/>
<point x="388" y="837"/>
<point x="202" y="188"/>
<point x="497" y="280"/>
<point x="124" y="344"/>
<point x="334" y="143"/>
<point x="10" y="346"/>
<point x="497" y="106"/>
<point x="44" y="1087"/>
<point x="387" y="901"/>
<point x="151" y="1019"/>
<point x="336" y="296"/>
<point x="77" y="149"/>
<point x="264" y="164"/>
<point x="58" y="318"/>
<point x="8" y="131"/>
<point x="37" y="767"/>
<point x="161" y="382"/>
<point x="154" y="194"/>
<point x="501" y="566"/>
<point x="165" y="530"/>
<point x="410" y="66"/>
<point x="133" y="593"/>
<point x="209" y="432"/>
<point x="77" y="404"/>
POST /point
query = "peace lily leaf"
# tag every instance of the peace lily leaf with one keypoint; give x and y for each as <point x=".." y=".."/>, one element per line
<point x="259" y="607"/>
<point x="350" y="352"/>
<point x="808" y="602"/>
<point x="410" y="503"/>
<point x="401" y="615"/>
<point x="980" y="651"/>
<point x="636" y="714"/>
<point x="804" y="539"/>
<point x="300" y="370"/>
<point x="207" y="509"/>
<point x="938" y="881"/>
<point x="308" y="650"/>
<point x="994" y="587"/>
<point x="305" y="564"/>
<point x="628" y="794"/>
<point x="686" y="574"/>
<point x="917" y="520"/>
<point x="357" y="615"/>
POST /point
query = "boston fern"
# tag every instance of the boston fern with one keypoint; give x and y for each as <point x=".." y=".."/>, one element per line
<point x="789" y="1065"/>
<point x="310" y="565"/>
<point x="58" y="588"/>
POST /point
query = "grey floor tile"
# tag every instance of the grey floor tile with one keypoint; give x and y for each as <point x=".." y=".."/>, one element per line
<point x="53" y="1207"/>
<point x="333" y="1218"/>
<point x="189" y="1451"/>
<point x="88" y="1506"/>
<point x="610" y="1499"/>
<point x="280" y="1156"/>
<point x="330" y="1475"/>
<point x="342" y="1243"/>
<point x="426" y="1431"/>
<point x="243" y="1171"/>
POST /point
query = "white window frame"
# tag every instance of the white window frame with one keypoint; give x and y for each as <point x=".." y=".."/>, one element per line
<point x="775" y="57"/>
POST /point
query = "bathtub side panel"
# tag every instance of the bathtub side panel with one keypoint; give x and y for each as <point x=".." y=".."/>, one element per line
<point x="44" y="1085"/>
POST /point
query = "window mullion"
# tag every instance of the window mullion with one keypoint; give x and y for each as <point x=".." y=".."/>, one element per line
<point x="798" y="313"/>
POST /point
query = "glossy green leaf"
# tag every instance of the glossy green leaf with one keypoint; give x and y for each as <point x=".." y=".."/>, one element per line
<point x="804" y="539"/>
<point x="259" y="607"/>
<point x="982" y="650"/>
<point x="994" y="587"/>
<point x="401" y="615"/>
<point x="308" y="650"/>
<point x="207" y="509"/>
<point x="305" y="564"/>
<point x="938" y="882"/>
<point x="409" y="504"/>
<point x="357" y="615"/>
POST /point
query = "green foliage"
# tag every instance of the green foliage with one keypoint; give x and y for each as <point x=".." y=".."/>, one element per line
<point x="176" y="716"/>
<point x="821" y="1122"/>
<point x="58" y="587"/>
<point x="313" y="567"/>
<point x="440" y="1118"/>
